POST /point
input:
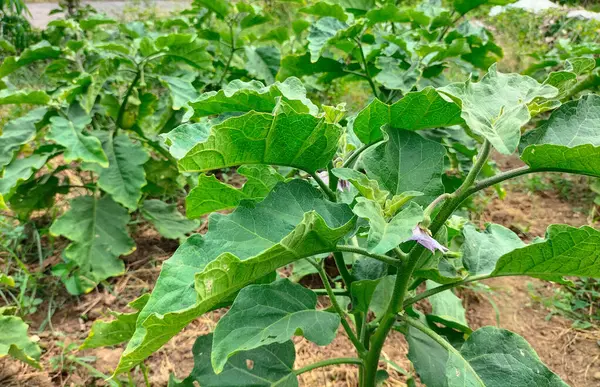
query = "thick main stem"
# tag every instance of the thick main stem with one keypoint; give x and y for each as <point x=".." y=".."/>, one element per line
<point x="405" y="272"/>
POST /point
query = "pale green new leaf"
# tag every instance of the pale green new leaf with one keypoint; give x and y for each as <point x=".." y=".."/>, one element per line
<point x="285" y="138"/>
<point x="424" y="109"/>
<point x="293" y="222"/>
<point x="18" y="132"/>
<point x="267" y="366"/>
<point x="447" y="309"/>
<point x="103" y="334"/>
<point x="407" y="162"/>
<point x="580" y="66"/>
<point x="384" y="235"/>
<point x="18" y="97"/>
<point x="124" y="177"/>
<point x="481" y="250"/>
<point x="367" y="187"/>
<point x="239" y="96"/>
<point x="491" y="357"/>
<point x="7" y="280"/>
<point x="169" y="222"/>
<point x="496" y="106"/>
<point x="15" y="342"/>
<point x="569" y="141"/>
<point x="291" y="311"/>
<point x="79" y="146"/>
<point x="212" y="195"/>
<point x="97" y="229"/>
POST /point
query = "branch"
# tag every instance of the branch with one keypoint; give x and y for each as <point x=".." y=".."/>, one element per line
<point x="323" y="186"/>
<point x="367" y="73"/>
<point x="348" y="163"/>
<point x="328" y="362"/>
<point x="359" y="250"/>
<point x="430" y="292"/>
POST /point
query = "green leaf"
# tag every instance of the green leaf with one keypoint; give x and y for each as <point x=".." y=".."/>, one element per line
<point x="580" y="65"/>
<point x="481" y="250"/>
<point x="425" y="109"/>
<point x="491" y="357"/>
<point x="239" y="96"/>
<point x="407" y="162"/>
<point x="15" y="342"/>
<point x="496" y="106"/>
<point x="293" y="222"/>
<point x="124" y="177"/>
<point x="39" y="51"/>
<point x="393" y="77"/>
<point x="7" y="280"/>
<point x="183" y="138"/>
<point x="384" y="235"/>
<point x="36" y="194"/>
<point x="322" y="9"/>
<point x="367" y="187"/>
<point x="18" y="97"/>
<point x="563" y="81"/>
<point x="388" y="13"/>
<point x="567" y="251"/>
<point x="16" y="172"/>
<point x="285" y="138"/>
<point x="569" y="141"/>
<point x="263" y="62"/>
<point x="322" y="33"/>
<point x="79" y="146"/>
<point x="464" y="6"/>
<point x="291" y="311"/>
<point x="447" y="309"/>
<point x="17" y="133"/>
<point x="357" y="5"/>
<point x="220" y="7"/>
<point x="267" y="366"/>
<point x="94" y="21"/>
<point x="169" y="222"/>
<point x="279" y="34"/>
<point x="97" y="229"/>
<point x="301" y="65"/>
<point x="119" y="330"/>
<point x="182" y="91"/>
<point x="211" y="195"/>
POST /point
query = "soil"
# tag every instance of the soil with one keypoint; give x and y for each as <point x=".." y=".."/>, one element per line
<point x="573" y="354"/>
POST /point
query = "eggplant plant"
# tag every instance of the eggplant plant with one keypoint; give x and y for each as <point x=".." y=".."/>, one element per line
<point x="369" y="198"/>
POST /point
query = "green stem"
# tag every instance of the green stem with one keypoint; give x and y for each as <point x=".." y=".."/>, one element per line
<point x="359" y="250"/>
<point x="336" y="306"/>
<point x="145" y="373"/>
<point x="123" y="106"/>
<point x="338" y="292"/>
<point x="366" y="66"/>
<point x="350" y="161"/>
<point x="333" y="179"/>
<point x="328" y="362"/>
<point x="323" y="186"/>
<point x="484" y="153"/>
<point x="430" y="292"/>
<point x="232" y="49"/>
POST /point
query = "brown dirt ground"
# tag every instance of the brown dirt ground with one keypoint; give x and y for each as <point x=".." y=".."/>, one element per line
<point x="572" y="354"/>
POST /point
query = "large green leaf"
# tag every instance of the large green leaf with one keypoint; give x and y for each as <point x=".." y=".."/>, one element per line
<point x="425" y="109"/>
<point x="496" y="106"/>
<point x="263" y="62"/>
<point x="39" y="51"/>
<point x="103" y="334"/>
<point x="320" y="33"/>
<point x="97" y="229"/>
<point x="393" y="77"/>
<point x="268" y="314"/>
<point x="182" y="91"/>
<point x="15" y="342"/>
<point x="183" y="138"/>
<point x="385" y="235"/>
<point x="220" y="7"/>
<point x="293" y="222"/>
<point x="481" y="250"/>
<point x="79" y="146"/>
<point x="569" y="141"/>
<point x="212" y="195"/>
<point x="124" y="177"/>
<point x="284" y="138"/>
<point x="18" y="97"/>
<point x="322" y="8"/>
<point x="18" y="132"/>
<point x="16" y="172"/>
<point x="567" y="251"/>
<point x="301" y="65"/>
<point x="239" y="96"/>
<point x="491" y="357"/>
<point x="447" y="309"/>
<point x="267" y="366"/>
<point x="167" y="220"/>
<point x="407" y="162"/>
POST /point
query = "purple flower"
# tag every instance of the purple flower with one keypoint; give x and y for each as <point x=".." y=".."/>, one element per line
<point x="423" y="238"/>
<point x="342" y="185"/>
